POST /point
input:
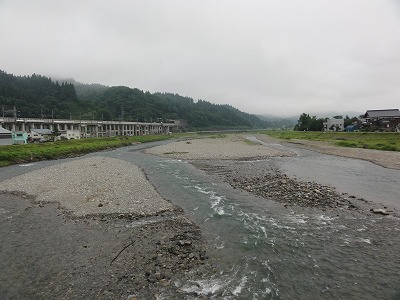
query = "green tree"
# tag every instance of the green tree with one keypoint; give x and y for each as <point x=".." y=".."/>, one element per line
<point x="307" y="123"/>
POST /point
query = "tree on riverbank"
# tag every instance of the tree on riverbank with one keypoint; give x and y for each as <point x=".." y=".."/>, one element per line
<point x="307" y="123"/>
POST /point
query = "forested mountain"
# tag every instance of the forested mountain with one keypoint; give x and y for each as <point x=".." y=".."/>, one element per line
<point x="36" y="96"/>
<point x="83" y="90"/>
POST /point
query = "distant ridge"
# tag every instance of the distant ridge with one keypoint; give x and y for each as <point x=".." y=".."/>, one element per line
<point x="40" y="96"/>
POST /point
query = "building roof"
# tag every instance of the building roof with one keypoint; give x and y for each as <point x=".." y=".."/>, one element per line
<point x="42" y="131"/>
<point x="4" y="131"/>
<point x="381" y="113"/>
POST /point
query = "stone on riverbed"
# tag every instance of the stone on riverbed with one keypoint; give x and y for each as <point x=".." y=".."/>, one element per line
<point x="380" y="211"/>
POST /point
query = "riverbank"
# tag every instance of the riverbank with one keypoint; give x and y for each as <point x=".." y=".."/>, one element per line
<point x="366" y="146"/>
<point x="226" y="157"/>
<point x="226" y="146"/>
<point x="387" y="159"/>
<point x="235" y="146"/>
<point x="27" y="153"/>
<point x="96" y="227"/>
<point x="365" y="140"/>
<point x="93" y="228"/>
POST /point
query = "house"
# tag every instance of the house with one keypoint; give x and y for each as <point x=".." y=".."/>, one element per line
<point x="70" y="134"/>
<point x="20" y="137"/>
<point x="40" y="135"/>
<point x="5" y="137"/>
<point x="334" y="125"/>
<point x="381" y="119"/>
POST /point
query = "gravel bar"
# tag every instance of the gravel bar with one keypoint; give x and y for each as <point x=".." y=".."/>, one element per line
<point x="232" y="146"/>
<point x="88" y="186"/>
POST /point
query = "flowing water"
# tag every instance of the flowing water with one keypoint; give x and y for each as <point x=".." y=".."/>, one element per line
<point x="266" y="251"/>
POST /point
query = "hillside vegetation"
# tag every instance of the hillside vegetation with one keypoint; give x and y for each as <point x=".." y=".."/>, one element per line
<point x="40" y="96"/>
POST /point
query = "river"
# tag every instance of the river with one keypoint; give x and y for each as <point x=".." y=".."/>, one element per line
<point x="264" y="250"/>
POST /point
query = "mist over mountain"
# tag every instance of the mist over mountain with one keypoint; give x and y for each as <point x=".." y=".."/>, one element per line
<point x="41" y="96"/>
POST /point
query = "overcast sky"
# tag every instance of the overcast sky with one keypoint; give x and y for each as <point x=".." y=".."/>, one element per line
<point x="281" y="57"/>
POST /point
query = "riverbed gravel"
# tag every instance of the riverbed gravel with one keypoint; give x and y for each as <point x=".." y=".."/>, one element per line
<point x="262" y="179"/>
<point x="96" y="185"/>
<point x="93" y="228"/>
<point x="46" y="254"/>
<point x="230" y="158"/>
<point x="232" y="146"/>
<point x="96" y="228"/>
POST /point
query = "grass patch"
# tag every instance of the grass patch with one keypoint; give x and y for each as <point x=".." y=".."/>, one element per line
<point x="14" y="154"/>
<point x="389" y="141"/>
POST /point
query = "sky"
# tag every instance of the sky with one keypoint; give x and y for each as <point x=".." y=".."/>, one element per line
<point x="276" y="57"/>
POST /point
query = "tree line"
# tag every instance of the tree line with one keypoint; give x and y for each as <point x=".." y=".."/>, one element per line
<point x="39" y="96"/>
<point x="312" y="123"/>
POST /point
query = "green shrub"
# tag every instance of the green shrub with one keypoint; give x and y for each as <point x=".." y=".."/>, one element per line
<point x="13" y="154"/>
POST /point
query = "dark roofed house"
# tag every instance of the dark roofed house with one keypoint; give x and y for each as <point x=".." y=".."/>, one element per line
<point x="40" y="135"/>
<point x="382" y="113"/>
<point x="382" y="119"/>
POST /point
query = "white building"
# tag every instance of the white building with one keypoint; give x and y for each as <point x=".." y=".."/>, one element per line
<point x="70" y="134"/>
<point x="334" y="125"/>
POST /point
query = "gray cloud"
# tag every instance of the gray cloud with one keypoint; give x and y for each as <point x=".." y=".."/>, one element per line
<point x="281" y="57"/>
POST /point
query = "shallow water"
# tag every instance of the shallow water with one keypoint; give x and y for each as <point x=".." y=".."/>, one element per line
<point x="266" y="251"/>
<point x="357" y="177"/>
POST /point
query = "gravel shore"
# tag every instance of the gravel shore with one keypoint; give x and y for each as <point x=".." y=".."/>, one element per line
<point x="46" y="254"/>
<point x="237" y="147"/>
<point x="387" y="159"/>
<point x="88" y="186"/>
<point x="229" y="157"/>
<point x="232" y="146"/>
<point x="93" y="228"/>
<point x="96" y="228"/>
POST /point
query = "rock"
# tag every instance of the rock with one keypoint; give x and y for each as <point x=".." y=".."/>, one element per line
<point x="380" y="211"/>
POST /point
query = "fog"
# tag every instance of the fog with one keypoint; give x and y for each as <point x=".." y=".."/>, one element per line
<point x="265" y="57"/>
